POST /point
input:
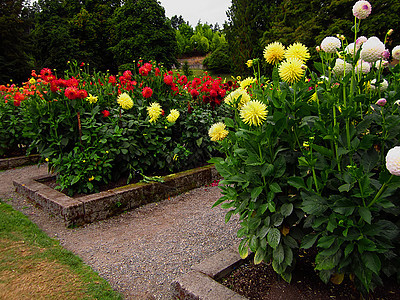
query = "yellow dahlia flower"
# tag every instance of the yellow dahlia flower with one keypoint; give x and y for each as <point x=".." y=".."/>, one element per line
<point x="233" y="98"/>
<point x="299" y="51"/>
<point x="254" y="113"/>
<point x="249" y="63"/>
<point x="246" y="82"/>
<point x="291" y="70"/>
<point x="274" y="53"/>
<point x="173" y="116"/>
<point x="125" y="101"/>
<point x="217" y="131"/>
<point x="154" y="111"/>
<point x="91" y="99"/>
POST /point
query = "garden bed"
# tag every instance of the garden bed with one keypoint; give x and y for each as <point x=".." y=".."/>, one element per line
<point x="18" y="161"/>
<point x="227" y="276"/>
<point x="94" y="207"/>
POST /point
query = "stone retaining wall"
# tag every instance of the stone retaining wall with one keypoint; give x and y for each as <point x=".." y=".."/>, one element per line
<point x="94" y="207"/>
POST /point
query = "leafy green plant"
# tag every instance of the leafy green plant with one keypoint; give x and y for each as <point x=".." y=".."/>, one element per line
<point x="307" y="161"/>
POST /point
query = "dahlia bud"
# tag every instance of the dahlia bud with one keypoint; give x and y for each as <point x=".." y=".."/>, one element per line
<point x="386" y="54"/>
<point x="318" y="48"/>
<point x="393" y="161"/>
<point x="381" y="102"/>
<point x="390" y="31"/>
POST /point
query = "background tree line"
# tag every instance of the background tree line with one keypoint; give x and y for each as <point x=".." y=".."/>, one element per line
<point x="254" y="24"/>
<point x="111" y="34"/>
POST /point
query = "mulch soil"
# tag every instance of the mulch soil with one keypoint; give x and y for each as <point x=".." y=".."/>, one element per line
<point x="261" y="282"/>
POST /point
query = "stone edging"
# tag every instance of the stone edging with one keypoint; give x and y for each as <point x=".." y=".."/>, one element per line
<point x="200" y="282"/>
<point x="19" y="161"/>
<point x="99" y="206"/>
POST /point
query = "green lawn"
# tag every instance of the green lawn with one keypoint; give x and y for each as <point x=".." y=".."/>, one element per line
<point x="34" y="266"/>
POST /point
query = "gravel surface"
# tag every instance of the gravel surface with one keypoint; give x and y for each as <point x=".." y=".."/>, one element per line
<point x="141" y="252"/>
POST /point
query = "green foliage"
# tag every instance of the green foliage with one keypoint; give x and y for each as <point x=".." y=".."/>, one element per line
<point x="141" y="30"/>
<point x="15" y="21"/>
<point x="315" y="172"/>
<point x="219" y="60"/>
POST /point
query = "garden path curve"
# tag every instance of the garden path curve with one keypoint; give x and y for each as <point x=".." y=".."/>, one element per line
<point x="142" y="251"/>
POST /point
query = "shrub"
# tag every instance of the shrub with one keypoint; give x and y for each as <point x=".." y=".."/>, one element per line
<point x="218" y="61"/>
<point x="307" y="166"/>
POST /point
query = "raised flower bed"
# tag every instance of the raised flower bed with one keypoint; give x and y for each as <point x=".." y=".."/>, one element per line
<point x="98" y="206"/>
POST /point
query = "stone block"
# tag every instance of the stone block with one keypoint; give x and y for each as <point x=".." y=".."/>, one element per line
<point x="220" y="264"/>
<point x="130" y="196"/>
<point x="18" y="161"/>
<point x="195" y="285"/>
<point x="100" y="206"/>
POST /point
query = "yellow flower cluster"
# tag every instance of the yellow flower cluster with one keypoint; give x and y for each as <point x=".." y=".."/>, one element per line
<point x="91" y="99"/>
<point x="154" y="111"/>
<point x="291" y="70"/>
<point x="125" y="101"/>
<point x="274" y="53"/>
<point x="218" y="132"/>
<point x="254" y="113"/>
<point x="297" y="51"/>
<point x="238" y="97"/>
<point x="246" y="82"/>
<point x="173" y="116"/>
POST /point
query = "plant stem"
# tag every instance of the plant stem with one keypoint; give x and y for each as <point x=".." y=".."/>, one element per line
<point x="381" y="190"/>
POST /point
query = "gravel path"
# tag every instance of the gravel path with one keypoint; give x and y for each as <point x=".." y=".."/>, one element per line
<point x="140" y="252"/>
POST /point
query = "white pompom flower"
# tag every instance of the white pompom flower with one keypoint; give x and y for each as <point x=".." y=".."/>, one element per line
<point x="393" y="161"/>
<point x="341" y="67"/>
<point x="330" y="44"/>
<point x="372" y="49"/>
<point x="396" y="52"/>
<point x="383" y="86"/>
<point x="362" y="9"/>
<point x="362" y="67"/>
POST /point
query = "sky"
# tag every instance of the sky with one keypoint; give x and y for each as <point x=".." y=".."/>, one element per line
<point x="207" y="11"/>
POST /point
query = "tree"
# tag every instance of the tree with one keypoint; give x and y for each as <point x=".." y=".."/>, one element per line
<point x="14" y="36"/>
<point x="53" y="43"/>
<point x="247" y="21"/>
<point x="177" y="21"/>
<point x="141" y="30"/>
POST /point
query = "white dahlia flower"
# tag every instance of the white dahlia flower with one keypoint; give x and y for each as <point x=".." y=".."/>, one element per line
<point x="396" y="52"/>
<point x="341" y="67"/>
<point x="363" y="67"/>
<point x="383" y="86"/>
<point x="372" y="49"/>
<point x="362" y="9"/>
<point x="330" y="44"/>
<point x="393" y="161"/>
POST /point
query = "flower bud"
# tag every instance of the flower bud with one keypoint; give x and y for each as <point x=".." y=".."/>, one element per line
<point x="381" y="102"/>
<point x="386" y="54"/>
<point x="390" y="31"/>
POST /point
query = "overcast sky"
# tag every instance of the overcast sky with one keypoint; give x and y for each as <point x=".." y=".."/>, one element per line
<point x="210" y="11"/>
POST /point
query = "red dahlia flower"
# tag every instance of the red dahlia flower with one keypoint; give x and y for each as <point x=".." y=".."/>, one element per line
<point x="194" y="93"/>
<point x="105" y="113"/>
<point x="82" y="94"/>
<point x="148" y="66"/>
<point x="147" y="92"/>
<point x="168" y="79"/>
<point x="71" y="92"/>
<point x="112" y="80"/>
<point x="127" y="74"/>
<point x="143" y="71"/>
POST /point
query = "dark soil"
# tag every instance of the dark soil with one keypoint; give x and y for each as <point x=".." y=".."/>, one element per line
<point x="261" y="282"/>
<point x="14" y="153"/>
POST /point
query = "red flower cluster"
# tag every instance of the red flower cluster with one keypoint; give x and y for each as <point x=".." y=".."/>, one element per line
<point x="147" y="92"/>
<point x="208" y="90"/>
<point x="74" y="93"/>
